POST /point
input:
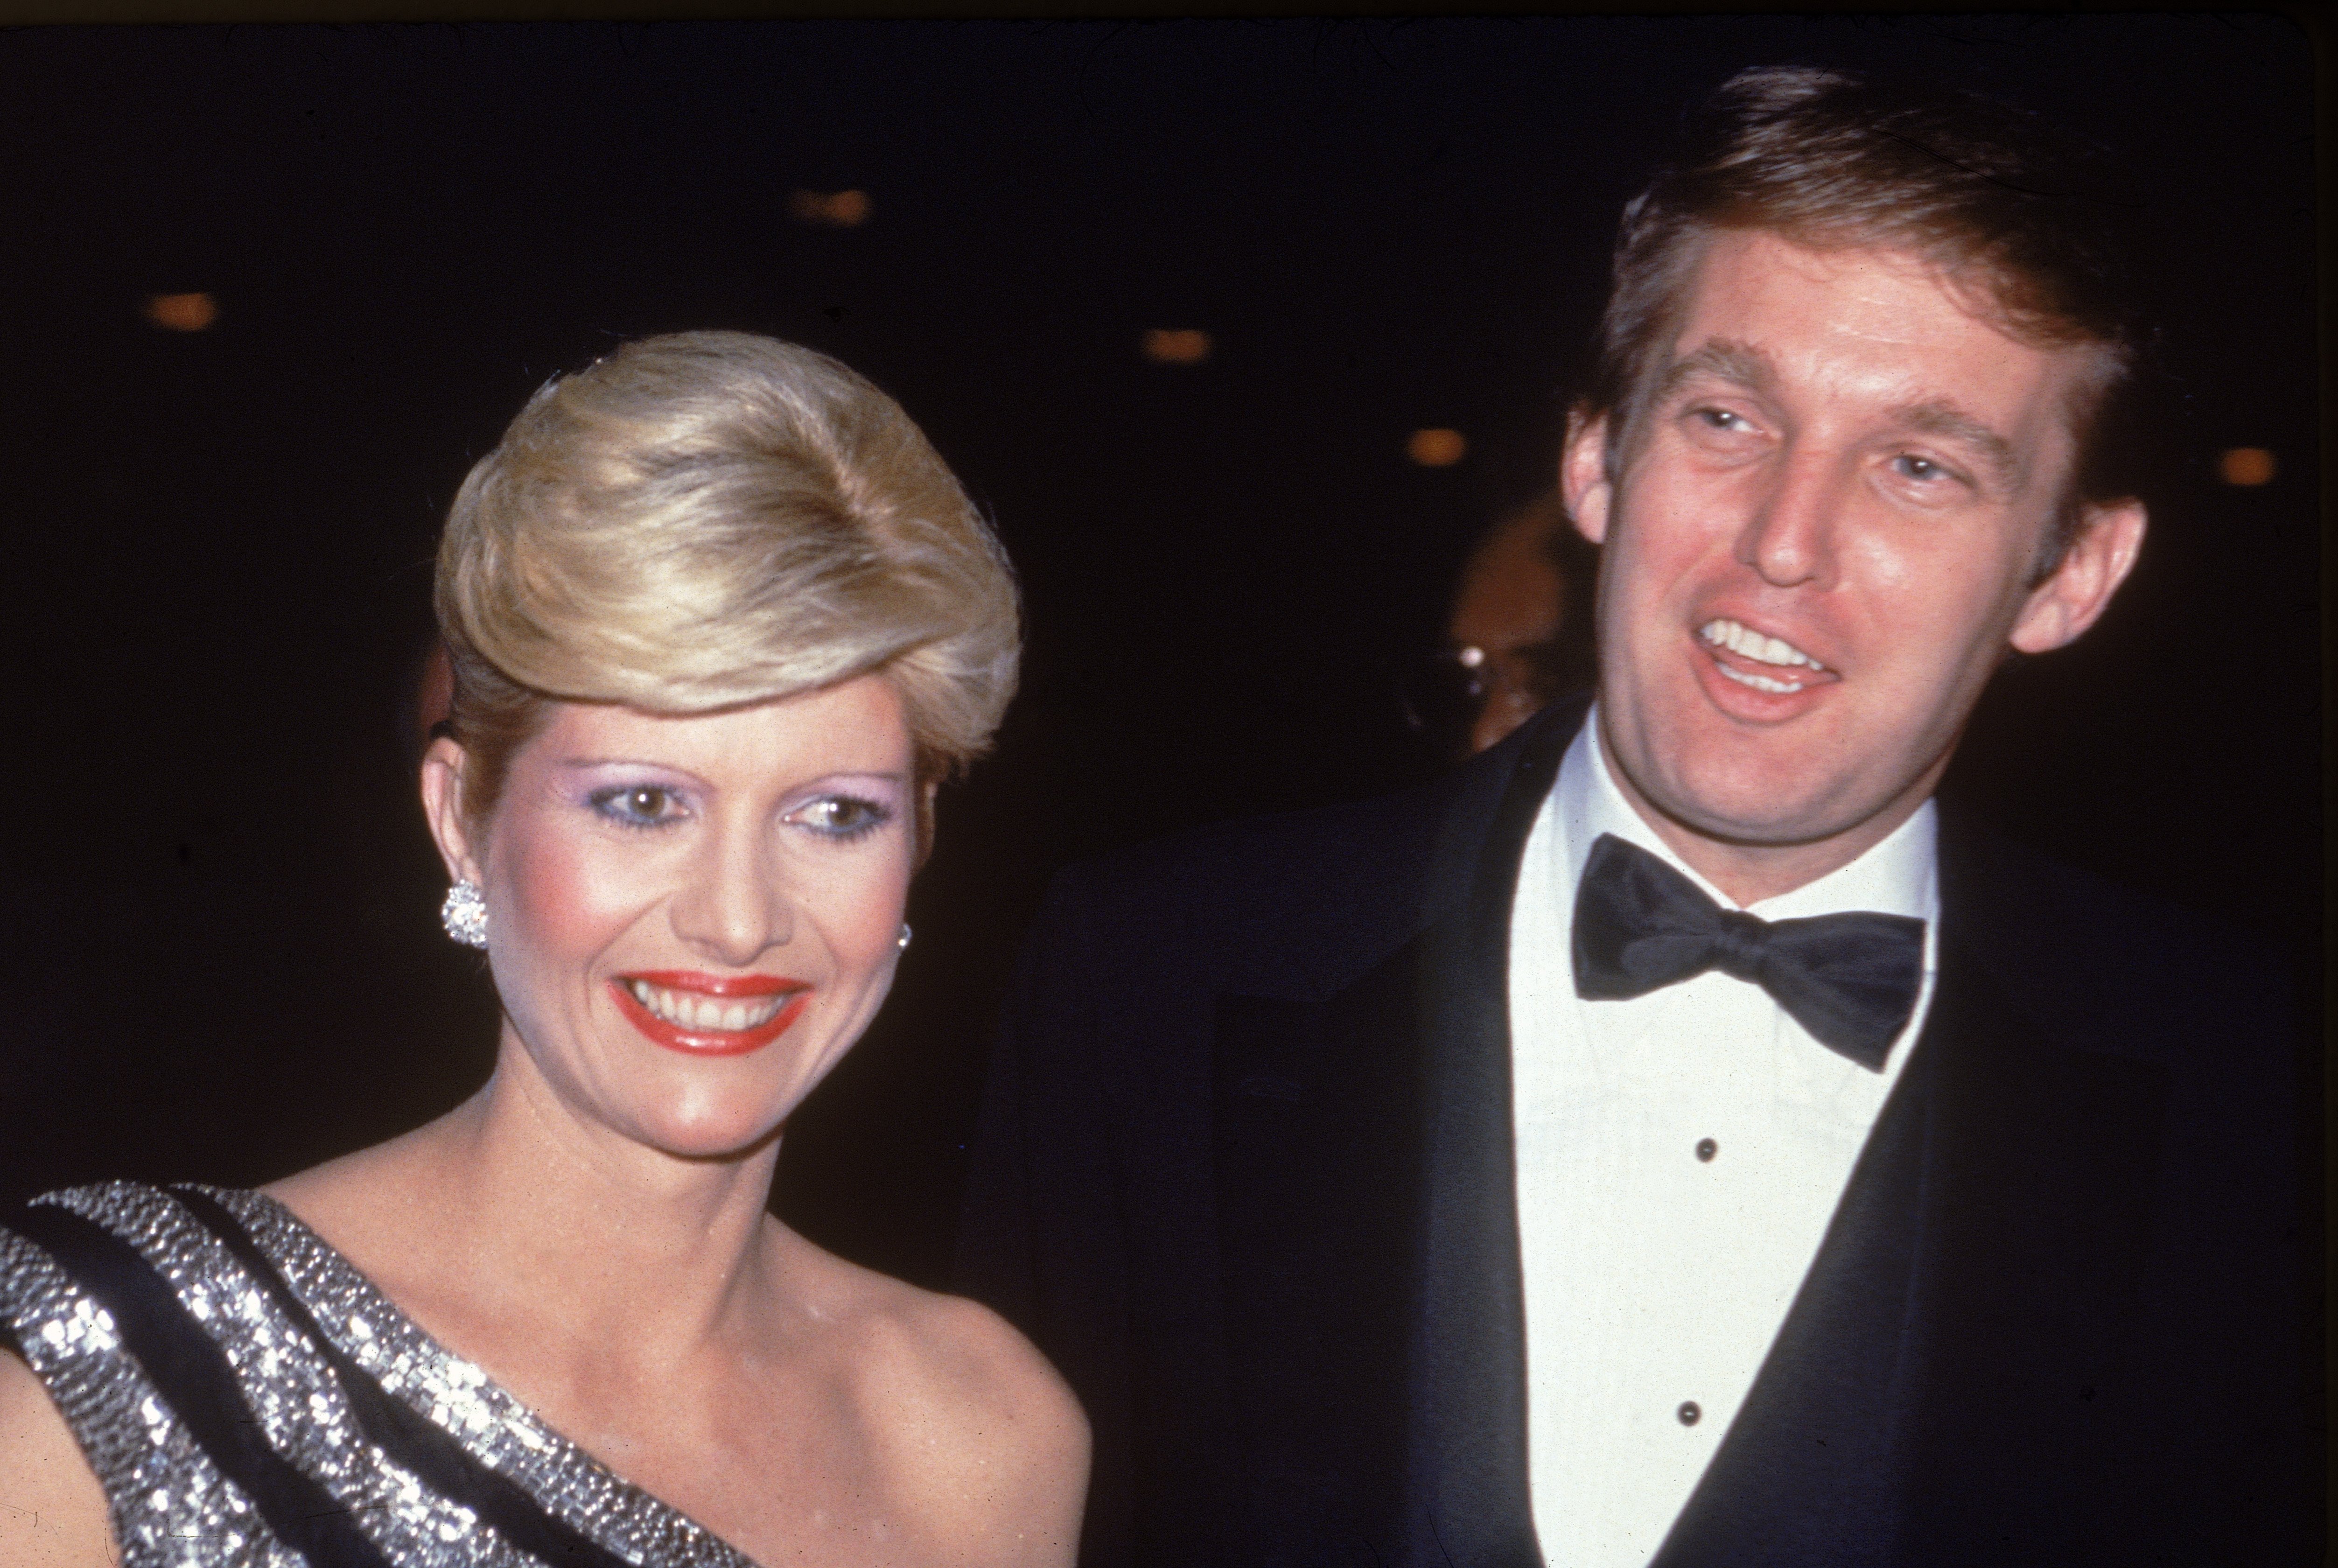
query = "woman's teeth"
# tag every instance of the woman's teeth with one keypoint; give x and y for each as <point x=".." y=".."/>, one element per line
<point x="1748" y="643"/>
<point x="686" y="1010"/>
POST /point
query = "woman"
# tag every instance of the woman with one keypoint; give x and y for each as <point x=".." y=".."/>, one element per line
<point x="720" y="620"/>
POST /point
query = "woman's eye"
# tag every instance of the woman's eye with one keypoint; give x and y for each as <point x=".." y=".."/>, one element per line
<point x="637" y="805"/>
<point x="845" y="816"/>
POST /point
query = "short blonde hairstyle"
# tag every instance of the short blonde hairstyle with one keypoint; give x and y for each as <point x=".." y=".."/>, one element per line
<point x="708" y="519"/>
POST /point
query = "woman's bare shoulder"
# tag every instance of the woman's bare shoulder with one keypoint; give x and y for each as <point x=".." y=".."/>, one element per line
<point x="982" y="1439"/>
<point x="52" y="1508"/>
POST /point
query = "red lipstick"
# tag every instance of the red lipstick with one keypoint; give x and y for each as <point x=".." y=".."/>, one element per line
<point x="712" y="1042"/>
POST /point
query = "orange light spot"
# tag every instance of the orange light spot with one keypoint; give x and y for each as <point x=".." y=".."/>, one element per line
<point x="1179" y="346"/>
<point x="181" y="312"/>
<point x="830" y="210"/>
<point x="2246" y="466"/>
<point x="1436" y="448"/>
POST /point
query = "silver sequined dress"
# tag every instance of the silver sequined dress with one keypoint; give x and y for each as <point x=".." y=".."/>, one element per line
<point x="248" y="1398"/>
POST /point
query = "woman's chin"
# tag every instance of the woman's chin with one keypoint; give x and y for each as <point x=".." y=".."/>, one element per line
<point x="712" y="1138"/>
<point x="707" y="1129"/>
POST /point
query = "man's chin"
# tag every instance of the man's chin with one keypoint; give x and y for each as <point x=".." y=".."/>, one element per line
<point x="1747" y="830"/>
<point x="1753" y="812"/>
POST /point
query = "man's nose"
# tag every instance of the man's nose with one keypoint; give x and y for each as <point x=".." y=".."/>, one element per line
<point x="1789" y="539"/>
<point x="735" y="907"/>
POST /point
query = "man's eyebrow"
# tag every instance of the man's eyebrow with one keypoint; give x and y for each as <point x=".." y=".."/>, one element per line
<point x="1723" y="358"/>
<point x="1939" y="416"/>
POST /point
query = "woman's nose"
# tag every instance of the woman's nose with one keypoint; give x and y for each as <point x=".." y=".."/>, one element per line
<point x="735" y="907"/>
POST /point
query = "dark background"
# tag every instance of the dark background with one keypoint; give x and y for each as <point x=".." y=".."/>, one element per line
<point x="219" y="933"/>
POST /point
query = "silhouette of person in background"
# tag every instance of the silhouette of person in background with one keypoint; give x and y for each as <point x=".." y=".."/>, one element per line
<point x="1517" y="635"/>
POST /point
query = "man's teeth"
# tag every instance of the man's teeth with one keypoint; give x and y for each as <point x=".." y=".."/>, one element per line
<point x="1759" y="682"/>
<point x="1752" y="645"/>
<point x="687" y="1011"/>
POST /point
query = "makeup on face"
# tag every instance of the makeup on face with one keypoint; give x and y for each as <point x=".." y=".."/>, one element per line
<point x="702" y="1015"/>
<point x="698" y="914"/>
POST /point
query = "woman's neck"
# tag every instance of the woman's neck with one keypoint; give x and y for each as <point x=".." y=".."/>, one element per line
<point x="512" y="1210"/>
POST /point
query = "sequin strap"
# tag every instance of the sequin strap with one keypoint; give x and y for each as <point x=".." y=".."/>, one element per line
<point x="403" y="1433"/>
<point x="190" y="1373"/>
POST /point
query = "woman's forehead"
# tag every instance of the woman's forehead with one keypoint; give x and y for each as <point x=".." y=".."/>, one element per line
<point x="856" y="726"/>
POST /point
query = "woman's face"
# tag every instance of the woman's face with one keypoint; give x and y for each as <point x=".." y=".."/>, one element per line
<point x="691" y="919"/>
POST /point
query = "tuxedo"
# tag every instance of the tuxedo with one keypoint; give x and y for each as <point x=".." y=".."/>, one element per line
<point x="1244" y="1172"/>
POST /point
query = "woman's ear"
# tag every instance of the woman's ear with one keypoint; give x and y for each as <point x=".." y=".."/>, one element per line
<point x="442" y="807"/>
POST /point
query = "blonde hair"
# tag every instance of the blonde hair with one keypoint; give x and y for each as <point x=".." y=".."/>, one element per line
<point x="708" y="519"/>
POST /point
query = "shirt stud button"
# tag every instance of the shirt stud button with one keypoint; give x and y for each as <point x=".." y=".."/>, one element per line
<point x="1706" y="1149"/>
<point x="1688" y="1413"/>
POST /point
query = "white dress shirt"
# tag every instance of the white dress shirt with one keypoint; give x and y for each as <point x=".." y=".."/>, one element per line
<point x="1679" y="1157"/>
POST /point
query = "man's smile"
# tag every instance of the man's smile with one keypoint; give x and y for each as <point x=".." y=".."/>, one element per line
<point x="1762" y="663"/>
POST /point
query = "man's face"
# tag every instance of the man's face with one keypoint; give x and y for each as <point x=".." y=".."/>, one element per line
<point x="1819" y="540"/>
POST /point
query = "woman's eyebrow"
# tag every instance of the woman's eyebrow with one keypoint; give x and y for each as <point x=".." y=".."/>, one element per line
<point x="588" y="764"/>
<point x="872" y="775"/>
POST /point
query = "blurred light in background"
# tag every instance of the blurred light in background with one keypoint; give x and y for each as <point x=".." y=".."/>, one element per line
<point x="1165" y="345"/>
<point x="2246" y="466"/>
<point x="1436" y="448"/>
<point x="181" y="312"/>
<point x="835" y="210"/>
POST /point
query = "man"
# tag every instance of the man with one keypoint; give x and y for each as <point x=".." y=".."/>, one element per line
<point x="1676" y="1138"/>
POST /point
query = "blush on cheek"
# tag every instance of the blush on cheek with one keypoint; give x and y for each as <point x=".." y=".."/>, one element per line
<point x="875" y="933"/>
<point x="563" y="897"/>
<point x="859" y="904"/>
<point x="554" y="890"/>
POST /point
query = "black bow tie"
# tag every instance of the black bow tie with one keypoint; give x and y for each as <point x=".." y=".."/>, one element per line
<point x="1850" y="980"/>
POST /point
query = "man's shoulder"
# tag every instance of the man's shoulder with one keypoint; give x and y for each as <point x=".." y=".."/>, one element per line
<point x="2097" y="959"/>
<point x="1314" y="888"/>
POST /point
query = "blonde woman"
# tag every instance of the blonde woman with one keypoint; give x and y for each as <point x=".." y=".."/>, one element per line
<point x="720" y="621"/>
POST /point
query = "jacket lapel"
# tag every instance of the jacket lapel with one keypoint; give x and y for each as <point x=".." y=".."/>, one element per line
<point x="2038" y="1193"/>
<point x="1931" y="1391"/>
<point x="1367" y="1218"/>
<point x="1467" y="1496"/>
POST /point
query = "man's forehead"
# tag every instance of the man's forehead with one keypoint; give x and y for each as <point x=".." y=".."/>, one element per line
<point x="1766" y="313"/>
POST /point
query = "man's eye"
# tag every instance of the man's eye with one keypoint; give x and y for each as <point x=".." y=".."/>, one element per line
<point x="1721" y="421"/>
<point x="636" y="805"/>
<point x="1922" y="469"/>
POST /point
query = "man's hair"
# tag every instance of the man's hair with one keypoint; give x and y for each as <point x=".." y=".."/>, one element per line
<point x="2004" y="206"/>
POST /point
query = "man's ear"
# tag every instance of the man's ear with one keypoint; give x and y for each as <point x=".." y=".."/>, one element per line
<point x="1583" y="475"/>
<point x="442" y="807"/>
<point x="2097" y="561"/>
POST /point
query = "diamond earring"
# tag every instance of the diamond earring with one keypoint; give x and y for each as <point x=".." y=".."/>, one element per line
<point x="465" y="914"/>
<point x="903" y="939"/>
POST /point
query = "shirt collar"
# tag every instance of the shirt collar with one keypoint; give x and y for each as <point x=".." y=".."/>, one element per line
<point x="1896" y="877"/>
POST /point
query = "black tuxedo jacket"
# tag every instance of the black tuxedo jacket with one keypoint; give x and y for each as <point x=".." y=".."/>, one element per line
<point x="1245" y="1173"/>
